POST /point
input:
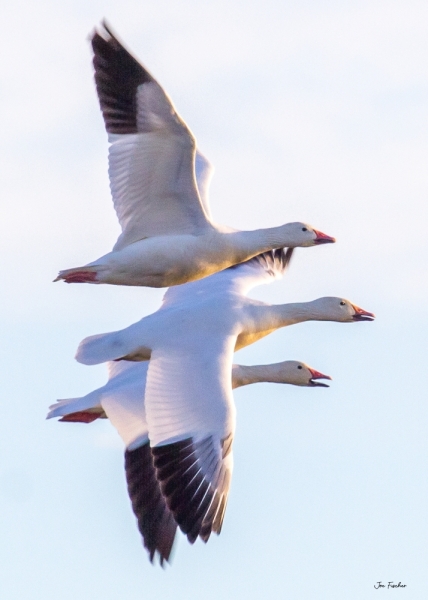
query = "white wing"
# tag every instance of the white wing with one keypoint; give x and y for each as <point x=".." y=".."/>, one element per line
<point x="123" y="401"/>
<point x="191" y="420"/>
<point x="264" y="268"/>
<point x="124" y="405"/>
<point x="152" y="156"/>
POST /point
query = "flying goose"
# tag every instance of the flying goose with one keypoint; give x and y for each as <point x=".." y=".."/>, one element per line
<point x="159" y="183"/>
<point x="122" y="401"/>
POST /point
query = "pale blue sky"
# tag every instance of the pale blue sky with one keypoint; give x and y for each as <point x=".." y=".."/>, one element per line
<point x="309" y="110"/>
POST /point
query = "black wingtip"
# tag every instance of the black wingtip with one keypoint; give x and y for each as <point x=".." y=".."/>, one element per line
<point x="118" y="74"/>
<point x="111" y="34"/>
<point x="197" y="503"/>
<point x="107" y="27"/>
<point x="155" y="522"/>
<point x="287" y="257"/>
<point x="205" y="534"/>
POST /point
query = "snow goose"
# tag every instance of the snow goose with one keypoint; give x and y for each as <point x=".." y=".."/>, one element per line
<point x="124" y="392"/>
<point x="168" y="237"/>
<point x="226" y="289"/>
<point x="188" y="396"/>
<point x="122" y="401"/>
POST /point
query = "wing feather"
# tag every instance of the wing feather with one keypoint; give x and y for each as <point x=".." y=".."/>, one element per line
<point x="155" y="521"/>
<point x="152" y="152"/>
<point x="240" y="278"/>
<point x="190" y="413"/>
<point x="117" y="75"/>
<point x="195" y="480"/>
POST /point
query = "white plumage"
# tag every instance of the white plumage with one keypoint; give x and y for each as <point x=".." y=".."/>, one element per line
<point x="122" y="400"/>
<point x="159" y="183"/>
<point x="189" y="406"/>
<point x="175" y="411"/>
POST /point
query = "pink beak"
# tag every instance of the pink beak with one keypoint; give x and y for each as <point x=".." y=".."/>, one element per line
<point x="322" y="238"/>
<point x="361" y="314"/>
<point x="318" y="375"/>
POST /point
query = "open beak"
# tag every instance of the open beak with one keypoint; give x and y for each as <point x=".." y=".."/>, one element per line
<point x="318" y="375"/>
<point x="322" y="238"/>
<point x="362" y="315"/>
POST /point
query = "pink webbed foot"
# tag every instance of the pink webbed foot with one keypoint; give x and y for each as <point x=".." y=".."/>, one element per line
<point x="82" y="416"/>
<point x="78" y="277"/>
<point x="81" y="277"/>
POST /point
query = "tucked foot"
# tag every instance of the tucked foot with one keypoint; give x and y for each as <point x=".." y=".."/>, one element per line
<point x="82" y="416"/>
<point x="77" y="276"/>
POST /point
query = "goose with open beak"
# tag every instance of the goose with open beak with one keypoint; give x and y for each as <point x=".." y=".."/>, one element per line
<point x="361" y="314"/>
<point x="122" y="400"/>
<point x="315" y="375"/>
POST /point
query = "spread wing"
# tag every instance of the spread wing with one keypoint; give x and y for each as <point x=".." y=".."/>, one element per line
<point x="191" y="420"/>
<point x="155" y="521"/>
<point x="122" y="401"/>
<point x="152" y="152"/>
<point x="264" y="268"/>
<point x="195" y="479"/>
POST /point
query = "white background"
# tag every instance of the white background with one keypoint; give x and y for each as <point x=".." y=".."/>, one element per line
<point x="309" y="110"/>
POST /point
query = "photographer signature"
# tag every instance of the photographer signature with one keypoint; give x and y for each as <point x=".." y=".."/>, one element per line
<point x="391" y="584"/>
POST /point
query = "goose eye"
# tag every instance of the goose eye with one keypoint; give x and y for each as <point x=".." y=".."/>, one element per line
<point x="304" y="229"/>
<point x="342" y="303"/>
<point x="299" y="367"/>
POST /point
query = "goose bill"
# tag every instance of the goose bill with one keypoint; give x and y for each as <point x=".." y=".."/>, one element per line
<point x="361" y="314"/>
<point x="322" y="238"/>
<point x="318" y="375"/>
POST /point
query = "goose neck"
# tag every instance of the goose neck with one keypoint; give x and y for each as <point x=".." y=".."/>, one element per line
<point x="281" y="315"/>
<point x="247" y="244"/>
<point x="245" y="375"/>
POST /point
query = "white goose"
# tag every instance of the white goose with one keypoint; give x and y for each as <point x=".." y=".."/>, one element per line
<point x="168" y="237"/>
<point x="126" y="385"/>
<point x="188" y="396"/>
<point x="122" y="401"/>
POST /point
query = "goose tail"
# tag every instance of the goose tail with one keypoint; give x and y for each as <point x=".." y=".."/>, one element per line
<point x="84" y="409"/>
<point x="99" y="348"/>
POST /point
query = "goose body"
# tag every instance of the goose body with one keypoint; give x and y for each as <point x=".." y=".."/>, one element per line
<point x="121" y="399"/>
<point x="159" y="183"/>
<point x="228" y="313"/>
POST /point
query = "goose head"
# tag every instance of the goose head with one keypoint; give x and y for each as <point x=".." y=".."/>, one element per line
<point x="298" y="373"/>
<point x="339" y="309"/>
<point x="304" y="235"/>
